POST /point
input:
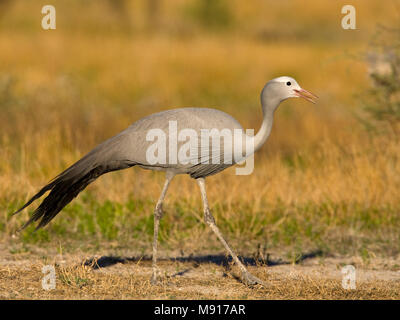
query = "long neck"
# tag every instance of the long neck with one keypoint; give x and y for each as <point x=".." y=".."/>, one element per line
<point x="268" y="108"/>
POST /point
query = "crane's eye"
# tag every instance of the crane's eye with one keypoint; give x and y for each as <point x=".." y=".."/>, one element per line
<point x="288" y="83"/>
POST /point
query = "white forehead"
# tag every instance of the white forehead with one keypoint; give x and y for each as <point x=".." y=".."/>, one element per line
<point x="284" y="79"/>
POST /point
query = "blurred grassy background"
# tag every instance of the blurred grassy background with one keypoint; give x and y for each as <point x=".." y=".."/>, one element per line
<point x="321" y="182"/>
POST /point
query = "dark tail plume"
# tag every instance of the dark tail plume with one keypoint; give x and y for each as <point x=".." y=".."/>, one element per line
<point x="67" y="185"/>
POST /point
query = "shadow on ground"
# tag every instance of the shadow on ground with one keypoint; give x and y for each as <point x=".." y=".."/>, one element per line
<point x="220" y="260"/>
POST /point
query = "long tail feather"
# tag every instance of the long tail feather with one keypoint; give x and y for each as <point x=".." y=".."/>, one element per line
<point x="68" y="184"/>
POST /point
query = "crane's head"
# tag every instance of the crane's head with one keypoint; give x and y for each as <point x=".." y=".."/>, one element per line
<point x="283" y="88"/>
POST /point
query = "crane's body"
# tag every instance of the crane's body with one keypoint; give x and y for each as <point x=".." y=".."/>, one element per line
<point x="197" y="119"/>
<point x="130" y="148"/>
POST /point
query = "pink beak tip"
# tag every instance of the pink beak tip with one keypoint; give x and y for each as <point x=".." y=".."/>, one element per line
<point x="307" y="95"/>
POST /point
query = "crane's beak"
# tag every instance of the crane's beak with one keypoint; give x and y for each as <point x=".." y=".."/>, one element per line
<point x="302" y="93"/>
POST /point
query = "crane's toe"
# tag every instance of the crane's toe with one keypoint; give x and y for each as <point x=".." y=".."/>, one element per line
<point x="155" y="279"/>
<point x="250" y="280"/>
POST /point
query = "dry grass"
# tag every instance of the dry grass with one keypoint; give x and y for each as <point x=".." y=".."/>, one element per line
<point x="190" y="280"/>
<point x="321" y="182"/>
<point x="74" y="90"/>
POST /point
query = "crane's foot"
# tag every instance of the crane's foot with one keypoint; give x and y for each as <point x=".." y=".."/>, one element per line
<point x="155" y="277"/>
<point x="250" y="280"/>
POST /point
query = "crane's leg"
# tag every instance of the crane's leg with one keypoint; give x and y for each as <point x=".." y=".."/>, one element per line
<point x="158" y="212"/>
<point x="247" y="277"/>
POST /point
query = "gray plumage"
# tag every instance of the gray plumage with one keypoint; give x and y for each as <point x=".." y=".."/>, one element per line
<point x="129" y="147"/>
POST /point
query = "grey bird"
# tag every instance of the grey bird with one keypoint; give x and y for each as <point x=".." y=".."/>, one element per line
<point x="131" y="148"/>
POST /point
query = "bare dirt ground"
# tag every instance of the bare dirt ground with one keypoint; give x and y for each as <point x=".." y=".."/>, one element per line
<point x="79" y="276"/>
